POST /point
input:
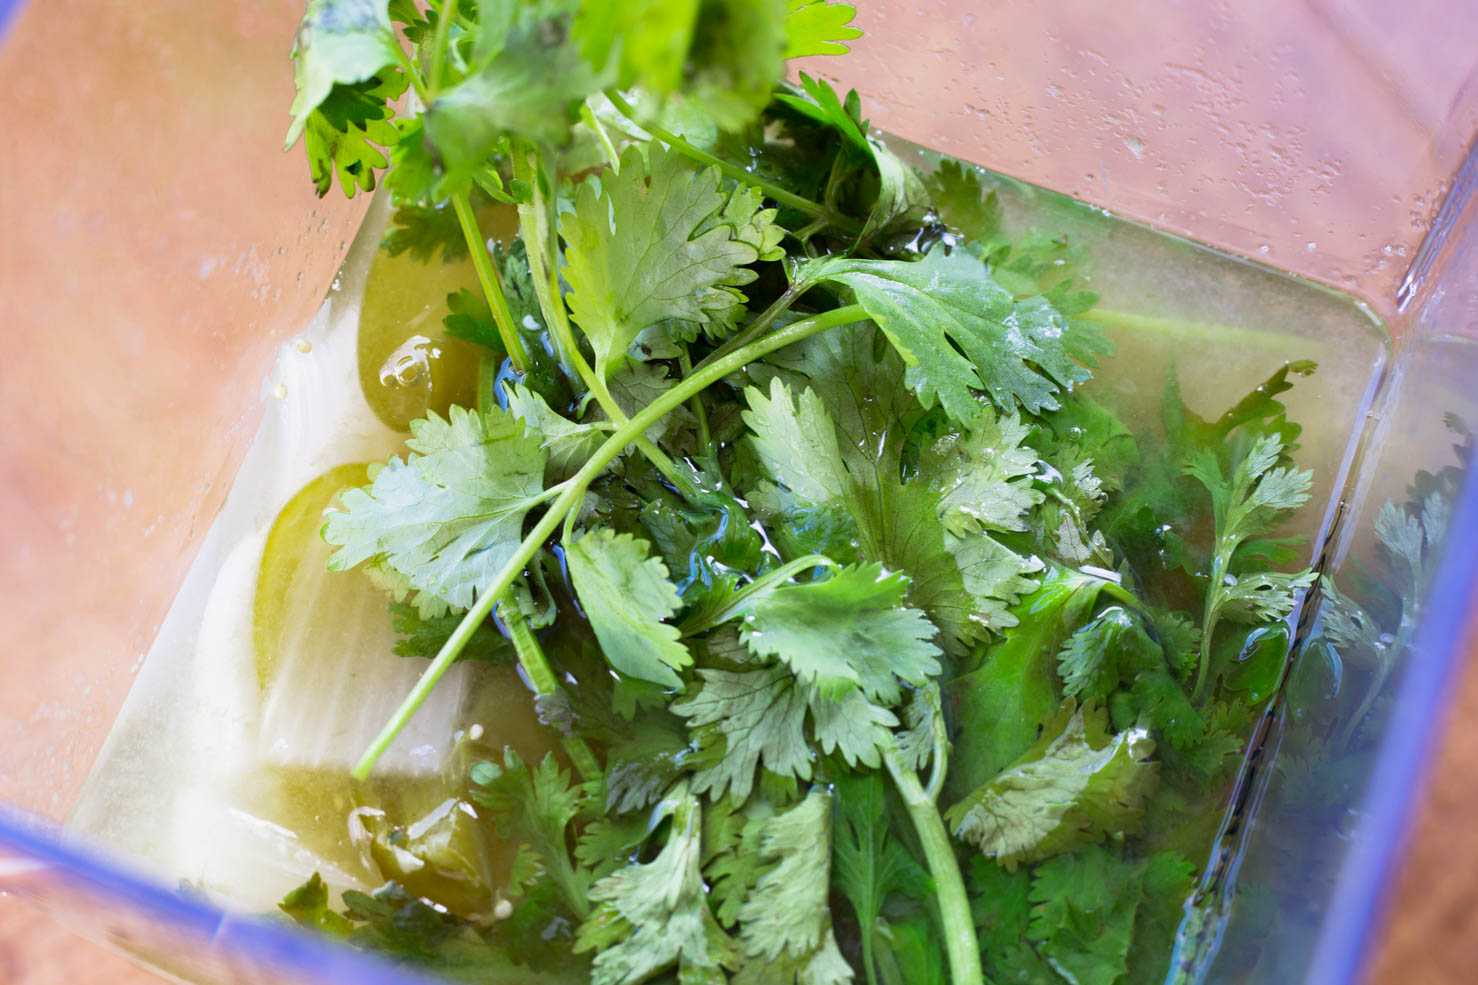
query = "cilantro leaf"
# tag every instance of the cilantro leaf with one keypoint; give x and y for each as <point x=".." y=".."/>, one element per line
<point x="1111" y="647"/>
<point x="731" y="848"/>
<point x="1161" y="501"/>
<point x="567" y="443"/>
<point x="649" y="39"/>
<point x="826" y="107"/>
<point x="868" y="866"/>
<point x="862" y="501"/>
<point x="409" y="931"/>
<point x="626" y="594"/>
<point x="423" y="231"/>
<point x="536" y="806"/>
<point x="901" y="197"/>
<point x="824" y="966"/>
<point x="960" y="331"/>
<point x="912" y="955"/>
<point x="1001" y="704"/>
<point x="744" y="719"/>
<point x="531" y="89"/>
<point x="1084" y="914"/>
<point x="963" y="203"/>
<point x="665" y="243"/>
<point x="1076" y="784"/>
<point x="1093" y="911"/>
<point x="468" y="317"/>
<point x="1207" y="756"/>
<point x="854" y="727"/>
<point x="1247" y="504"/>
<point x="308" y="905"/>
<point x="786" y="914"/>
<point x="345" y="134"/>
<point x="1000" y="905"/>
<point x="653" y="915"/>
<point x="815" y="27"/>
<point x="797" y="442"/>
<point x="987" y="474"/>
<point x="449" y="515"/>
<point x="848" y="631"/>
<point x="641" y="767"/>
<point x="736" y="58"/>
<point x="1076" y="497"/>
<point x="1168" y="709"/>
<point x="338" y="42"/>
<point x="923" y="720"/>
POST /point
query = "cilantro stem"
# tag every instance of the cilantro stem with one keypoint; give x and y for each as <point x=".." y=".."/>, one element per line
<point x="939" y="761"/>
<point x="492" y="289"/>
<point x="760" y="586"/>
<point x="705" y="437"/>
<point x="445" y="16"/>
<point x="955" y="919"/>
<point x="771" y="190"/>
<point x="409" y="68"/>
<point x="1382" y="672"/>
<point x="757" y="327"/>
<point x="541" y="677"/>
<point x="599" y="129"/>
<point x="659" y="458"/>
<point x="1214" y="595"/>
<point x="536" y="224"/>
<point x="572" y="494"/>
<point x="1121" y="594"/>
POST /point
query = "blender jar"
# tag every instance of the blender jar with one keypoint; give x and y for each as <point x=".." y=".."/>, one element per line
<point x="159" y="250"/>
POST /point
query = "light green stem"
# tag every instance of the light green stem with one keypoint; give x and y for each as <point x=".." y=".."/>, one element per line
<point x="705" y="437"/>
<point x="541" y="676"/>
<point x="1209" y="620"/>
<point x="758" y="327"/>
<point x="760" y="586"/>
<point x="955" y="920"/>
<point x="409" y="68"/>
<point x="869" y="962"/>
<point x="659" y="458"/>
<point x="598" y="128"/>
<point x="800" y="204"/>
<point x="939" y="761"/>
<point x="1387" y="660"/>
<point x="492" y="289"/>
<point x="573" y="492"/>
<point x="536" y="224"/>
<point x="444" y="18"/>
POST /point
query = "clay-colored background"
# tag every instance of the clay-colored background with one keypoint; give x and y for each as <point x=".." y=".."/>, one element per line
<point x="143" y="261"/>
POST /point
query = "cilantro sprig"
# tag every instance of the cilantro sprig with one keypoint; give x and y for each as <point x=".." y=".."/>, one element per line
<point x="794" y="513"/>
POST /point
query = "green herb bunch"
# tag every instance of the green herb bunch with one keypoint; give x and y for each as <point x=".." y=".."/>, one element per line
<point x="877" y="648"/>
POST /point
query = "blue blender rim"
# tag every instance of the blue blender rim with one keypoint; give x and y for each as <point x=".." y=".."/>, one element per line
<point x="275" y="947"/>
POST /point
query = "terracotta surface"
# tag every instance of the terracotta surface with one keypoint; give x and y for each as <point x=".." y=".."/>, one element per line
<point x="136" y="283"/>
<point x="151" y="262"/>
<point x="1315" y="135"/>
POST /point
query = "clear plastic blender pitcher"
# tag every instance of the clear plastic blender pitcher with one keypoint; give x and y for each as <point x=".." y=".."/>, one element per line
<point x="158" y="250"/>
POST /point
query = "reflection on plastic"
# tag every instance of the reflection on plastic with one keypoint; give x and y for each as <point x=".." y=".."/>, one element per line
<point x="174" y="933"/>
